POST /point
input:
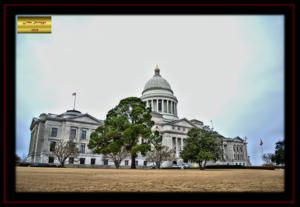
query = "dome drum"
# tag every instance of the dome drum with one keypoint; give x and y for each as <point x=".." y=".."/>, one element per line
<point x="158" y="95"/>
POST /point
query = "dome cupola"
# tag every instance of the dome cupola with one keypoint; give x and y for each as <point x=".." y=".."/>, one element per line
<point x="158" y="95"/>
<point x="157" y="82"/>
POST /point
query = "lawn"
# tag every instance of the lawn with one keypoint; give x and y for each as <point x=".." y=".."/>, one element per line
<point x="38" y="179"/>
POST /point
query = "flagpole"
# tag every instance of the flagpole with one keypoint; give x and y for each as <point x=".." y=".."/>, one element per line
<point x="74" y="102"/>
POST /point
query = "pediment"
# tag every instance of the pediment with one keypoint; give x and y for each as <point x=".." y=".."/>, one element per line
<point x="238" y="139"/>
<point x="86" y="118"/>
<point x="183" y="123"/>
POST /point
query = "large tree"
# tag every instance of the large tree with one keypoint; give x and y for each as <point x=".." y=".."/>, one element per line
<point x="202" y="145"/>
<point x="65" y="149"/>
<point x="129" y="121"/>
<point x="159" y="152"/>
<point x="278" y="158"/>
<point x="108" y="141"/>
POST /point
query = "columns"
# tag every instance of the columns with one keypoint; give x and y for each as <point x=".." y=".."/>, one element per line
<point x="179" y="146"/>
<point x="177" y="150"/>
<point x="165" y="106"/>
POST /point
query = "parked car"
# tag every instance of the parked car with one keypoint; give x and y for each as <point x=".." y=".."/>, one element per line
<point x="39" y="165"/>
<point x="154" y="166"/>
<point x="175" y="166"/>
<point x="184" y="165"/>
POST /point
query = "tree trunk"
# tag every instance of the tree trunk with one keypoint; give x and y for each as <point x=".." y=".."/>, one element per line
<point x="200" y="165"/>
<point x="158" y="165"/>
<point x="117" y="164"/>
<point x="62" y="164"/>
<point x="204" y="165"/>
<point x="133" y="161"/>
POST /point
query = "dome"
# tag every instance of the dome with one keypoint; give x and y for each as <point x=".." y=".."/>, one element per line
<point x="157" y="82"/>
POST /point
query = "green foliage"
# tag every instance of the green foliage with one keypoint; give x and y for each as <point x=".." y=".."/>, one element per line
<point x="123" y="127"/>
<point x="202" y="145"/>
<point x="278" y="158"/>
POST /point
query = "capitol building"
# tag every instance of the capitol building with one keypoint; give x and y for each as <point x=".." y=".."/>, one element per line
<point x="47" y="129"/>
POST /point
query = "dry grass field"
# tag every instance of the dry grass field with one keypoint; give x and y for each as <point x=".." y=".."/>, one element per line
<point x="35" y="179"/>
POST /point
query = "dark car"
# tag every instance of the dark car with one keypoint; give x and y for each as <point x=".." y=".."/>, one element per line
<point x="154" y="166"/>
<point x="39" y="165"/>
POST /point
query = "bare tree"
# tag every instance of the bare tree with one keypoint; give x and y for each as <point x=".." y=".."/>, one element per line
<point x="268" y="158"/>
<point x="65" y="149"/>
<point x="158" y="155"/>
<point x="24" y="158"/>
<point x="118" y="156"/>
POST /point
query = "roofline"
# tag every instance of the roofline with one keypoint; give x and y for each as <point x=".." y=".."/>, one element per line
<point x="185" y="119"/>
<point x="168" y="89"/>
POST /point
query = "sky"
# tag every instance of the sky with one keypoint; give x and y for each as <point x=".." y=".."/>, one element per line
<point x="224" y="68"/>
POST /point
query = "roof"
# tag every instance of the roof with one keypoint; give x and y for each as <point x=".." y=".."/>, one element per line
<point x="157" y="82"/>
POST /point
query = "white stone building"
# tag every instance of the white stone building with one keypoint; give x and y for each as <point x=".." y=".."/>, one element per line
<point x="158" y="95"/>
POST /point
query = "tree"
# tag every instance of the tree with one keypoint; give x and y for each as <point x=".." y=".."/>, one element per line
<point x="17" y="159"/>
<point x="158" y="153"/>
<point x="278" y="158"/>
<point x="24" y="158"/>
<point x="202" y="145"/>
<point x="125" y="124"/>
<point x="105" y="140"/>
<point x="65" y="149"/>
<point x="268" y="158"/>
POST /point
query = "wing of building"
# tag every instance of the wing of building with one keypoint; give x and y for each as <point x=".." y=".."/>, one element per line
<point x="157" y="94"/>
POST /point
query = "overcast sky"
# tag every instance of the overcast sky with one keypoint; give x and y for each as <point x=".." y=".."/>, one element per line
<point x="228" y="69"/>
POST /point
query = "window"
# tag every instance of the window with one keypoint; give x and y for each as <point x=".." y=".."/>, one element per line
<point x="178" y="128"/>
<point x="93" y="160"/>
<point x="51" y="160"/>
<point x="136" y="163"/>
<point x="149" y="104"/>
<point x="145" y="163"/>
<point x="82" y="161"/>
<point x="173" y="127"/>
<point x="105" y="162"/>
<point x="82" y="148"/>
<point x="71" y="160"/>
<point x="73" y="133"/>
<point x="126" y="162"/>
<point x="52" y="146"/>
<point x="159" y="106"/>
<point x="83" y="134"/>
<point x="183" y="129"/>
<point x="53" y="132"/>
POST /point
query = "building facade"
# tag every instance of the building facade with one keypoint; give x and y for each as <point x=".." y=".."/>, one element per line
<point x="158" y="95"/>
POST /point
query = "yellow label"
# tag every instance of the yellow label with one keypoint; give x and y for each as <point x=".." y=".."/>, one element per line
<point x="28" y="24"/>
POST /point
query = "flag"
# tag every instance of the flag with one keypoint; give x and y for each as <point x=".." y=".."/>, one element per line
<point x="245" y="140"/>
<point x="261" y="142"/>
<point x="74" y="94"/>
